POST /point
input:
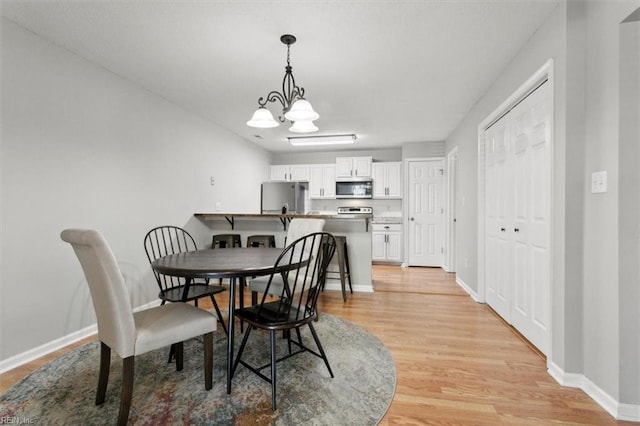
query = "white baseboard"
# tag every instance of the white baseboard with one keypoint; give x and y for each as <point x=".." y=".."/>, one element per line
<point x="54" y="345"/>
<point x="468" y="289"/>
<point x="356" y="288"/>
<point x="618" y="410"/>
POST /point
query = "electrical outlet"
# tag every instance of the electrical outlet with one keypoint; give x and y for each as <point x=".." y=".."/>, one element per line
<point x="218" y="206"/>
<point x="212" y="181"/>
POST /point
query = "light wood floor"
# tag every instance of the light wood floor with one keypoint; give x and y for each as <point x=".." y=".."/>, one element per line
<point x="457" y="362"/>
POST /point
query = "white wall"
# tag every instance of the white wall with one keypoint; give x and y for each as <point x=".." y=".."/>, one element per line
<point x="603" y="324"/>
<point x="591" y="313"/>
<point x="82" y="147"/>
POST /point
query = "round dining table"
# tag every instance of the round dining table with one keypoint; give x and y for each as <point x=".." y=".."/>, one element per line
<point x="232" y="263"/>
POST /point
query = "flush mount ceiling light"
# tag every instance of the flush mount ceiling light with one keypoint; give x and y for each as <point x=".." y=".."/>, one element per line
<point x="322" y="140"/>
<point x="295" y="107"/>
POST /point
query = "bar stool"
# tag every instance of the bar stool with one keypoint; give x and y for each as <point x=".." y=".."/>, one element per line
<point x="344" y="271"/>
<point x="221" y="241"/>
<point x="226" y="240"/>
<point x="261" y="241"/>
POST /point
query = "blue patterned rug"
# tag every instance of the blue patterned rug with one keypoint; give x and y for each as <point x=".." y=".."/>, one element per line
<point x="63" y="391"/>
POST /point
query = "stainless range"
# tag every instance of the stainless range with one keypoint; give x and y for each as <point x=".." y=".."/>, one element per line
<point x="355" y="210"/>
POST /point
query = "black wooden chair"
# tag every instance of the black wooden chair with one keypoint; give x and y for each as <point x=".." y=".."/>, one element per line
<point x="166" y="240"/>
<point x="295" y="306"/>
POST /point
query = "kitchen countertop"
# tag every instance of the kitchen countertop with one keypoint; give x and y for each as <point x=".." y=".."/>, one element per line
<point x="284" y="218"/>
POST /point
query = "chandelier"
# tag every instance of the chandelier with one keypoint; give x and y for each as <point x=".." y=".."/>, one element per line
<point x="295" y="107"/>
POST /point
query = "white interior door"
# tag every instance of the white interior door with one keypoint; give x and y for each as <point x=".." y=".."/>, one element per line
<point x="450" y="251"/>
<point x="517" y="216"/>
<point x="532" y="217"/>
<point x="426" y="213"/>
<point x="498" y="212"/>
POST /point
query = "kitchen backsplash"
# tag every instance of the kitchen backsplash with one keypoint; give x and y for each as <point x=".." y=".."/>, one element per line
<point x="380" y="207"/>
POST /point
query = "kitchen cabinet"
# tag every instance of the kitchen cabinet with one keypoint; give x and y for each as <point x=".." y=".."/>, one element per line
<point x="322" y="181"/>
<point x="353" y="167"/>
<point x="387" y="180"/>
<point x="386" y="243"/>
<point x="290" y="172"/>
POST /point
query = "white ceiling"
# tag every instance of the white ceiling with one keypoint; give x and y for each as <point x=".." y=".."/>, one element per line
<point x="389" y="71"/>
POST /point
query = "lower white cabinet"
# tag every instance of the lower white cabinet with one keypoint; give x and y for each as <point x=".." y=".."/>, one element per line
<point x="387" y="242"/>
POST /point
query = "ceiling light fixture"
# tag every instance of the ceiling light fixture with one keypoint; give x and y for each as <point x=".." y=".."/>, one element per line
<point x="322" y="140"/>
<point x="294" y="106"/>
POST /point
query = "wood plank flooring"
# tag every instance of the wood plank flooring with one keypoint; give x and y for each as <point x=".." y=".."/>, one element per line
<point x="457" y="362"/>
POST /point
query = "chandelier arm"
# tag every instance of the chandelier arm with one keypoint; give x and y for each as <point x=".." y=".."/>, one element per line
<point x="272" y="97"/>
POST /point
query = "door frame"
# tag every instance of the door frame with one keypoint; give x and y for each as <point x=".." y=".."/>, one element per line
<point x="450" y="252"/>
<point x="544" y="72"/>
<point x="405" y="197"/>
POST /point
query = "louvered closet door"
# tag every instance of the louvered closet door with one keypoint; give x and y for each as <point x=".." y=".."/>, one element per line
<point x="518" y="216"/>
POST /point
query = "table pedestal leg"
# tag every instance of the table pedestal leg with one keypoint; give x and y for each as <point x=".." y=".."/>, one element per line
<point x="231" y="329"/>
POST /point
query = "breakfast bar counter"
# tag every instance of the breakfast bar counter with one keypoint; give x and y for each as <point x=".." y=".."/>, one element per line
<point x="353" y="226"/>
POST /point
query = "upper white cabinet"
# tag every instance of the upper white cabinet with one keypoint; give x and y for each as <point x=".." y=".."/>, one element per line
<point x="353" y="167"/>
<point x="322" y="182"/>
<point x="290" y="172"/>
<point x="387" y="182"/>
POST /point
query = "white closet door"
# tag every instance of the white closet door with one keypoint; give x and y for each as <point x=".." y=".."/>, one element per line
<point x="532" y="228"/>
<point x="517" y="212"/>
<point x="498" y="215"/>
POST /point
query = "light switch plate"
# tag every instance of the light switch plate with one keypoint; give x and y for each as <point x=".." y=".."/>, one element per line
<point x="598" y="182"/>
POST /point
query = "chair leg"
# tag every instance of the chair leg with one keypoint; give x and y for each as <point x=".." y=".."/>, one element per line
<point x="179" y="355"/>
<point x="243" y="284"/>
<point x="172" y="354"/>
<point x="341" y="268"/>
<point x="241" y="350"/>
<point x="208" y="361"/>
<point x="103" y="378"/>
<point x="324" y="356"/>
<point x="272" y="336"/>
<point x="347" y="268"/>
<point x="127" y="390"/>
<point x="217" y="308"/>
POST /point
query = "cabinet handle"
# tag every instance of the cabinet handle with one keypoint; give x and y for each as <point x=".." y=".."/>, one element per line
<point x="502" y="229"/>
<point x="516" y="230"/>
<point x="386" y="227"/>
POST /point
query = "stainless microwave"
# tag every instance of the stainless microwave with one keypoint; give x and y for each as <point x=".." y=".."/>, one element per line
<point x="354" y="188"/>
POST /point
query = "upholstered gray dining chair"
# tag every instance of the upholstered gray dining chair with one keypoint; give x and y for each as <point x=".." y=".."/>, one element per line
<point x="128" y="333"/>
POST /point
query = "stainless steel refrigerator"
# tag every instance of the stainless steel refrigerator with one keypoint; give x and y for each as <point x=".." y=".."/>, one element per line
<point x="278" y="197"/>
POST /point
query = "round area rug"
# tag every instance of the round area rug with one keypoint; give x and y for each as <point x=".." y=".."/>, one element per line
<point x="64" y="391"/>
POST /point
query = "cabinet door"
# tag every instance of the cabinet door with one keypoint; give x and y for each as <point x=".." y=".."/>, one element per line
<point x="329" y="181"/>
<point x="379" y="171"/>
<point x="379" y="249"/>
<point x="361" y="166"/>
<point x="299" y="172"/>
<point x="394" y="247"/>
<point x="315" y="181"/>
<point x="322" y="181"/>
<point x="280" y="172"/>
<point x="394" y="180"/>
<point x="344" y="166"/>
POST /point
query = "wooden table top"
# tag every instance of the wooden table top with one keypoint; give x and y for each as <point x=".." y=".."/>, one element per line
<point x="220" y="263"/>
